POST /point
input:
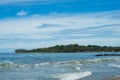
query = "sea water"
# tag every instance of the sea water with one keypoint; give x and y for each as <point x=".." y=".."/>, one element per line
<point x="58" y="66"/>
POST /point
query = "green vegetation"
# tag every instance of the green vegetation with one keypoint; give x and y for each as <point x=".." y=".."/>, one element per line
<point x="71" y="48"/>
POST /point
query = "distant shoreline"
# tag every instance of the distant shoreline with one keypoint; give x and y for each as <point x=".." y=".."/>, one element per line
<point x="70" y="49"/>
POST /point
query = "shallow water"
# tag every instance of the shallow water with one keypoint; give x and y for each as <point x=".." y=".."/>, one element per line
<point x="61" y="66"/>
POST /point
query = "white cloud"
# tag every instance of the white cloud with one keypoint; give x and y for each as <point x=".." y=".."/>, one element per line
<point x="14" y="1"/>
<point x="26" y="33"/>
<point x="30" y="1"/>
<point x="22" y="13"/>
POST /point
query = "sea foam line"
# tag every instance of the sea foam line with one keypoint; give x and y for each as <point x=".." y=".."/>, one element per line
<point x="114" y="65"/>
<point x="8" y="64"/>
<point x="72" y="76"/>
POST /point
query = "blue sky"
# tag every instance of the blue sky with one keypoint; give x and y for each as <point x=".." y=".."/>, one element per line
<point x="43" y="23"/>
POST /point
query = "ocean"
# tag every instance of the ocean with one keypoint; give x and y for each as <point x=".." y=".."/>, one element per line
<point x="59" y="66"/>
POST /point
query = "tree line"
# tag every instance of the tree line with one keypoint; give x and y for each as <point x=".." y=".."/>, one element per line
<point x="71" y="48"/>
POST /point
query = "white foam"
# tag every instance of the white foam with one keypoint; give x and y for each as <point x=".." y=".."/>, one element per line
<point x="73" y="76"/>
<point x="100" y="60"/>
<point x="21" y="65"/>
<point x="114" y="65"/>
<point x="77" y="68"/>
<point x="42" y="64"/>
<point x="6" y="64"/>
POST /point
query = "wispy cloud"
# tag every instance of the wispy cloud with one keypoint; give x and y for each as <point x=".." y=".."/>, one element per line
<point x="33" y="1"/>
<point x="44" y="25"/>
<point x="22" y="13"/>
<point x="14" y="1"/>
<point x="42" y="31"/>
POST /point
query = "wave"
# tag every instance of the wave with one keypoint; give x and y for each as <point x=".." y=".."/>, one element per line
<point x="77" y="68"/>
<point x="114" y="65"/>
<point x="42" y="64"/>
<point x="9" y="64"/>
<point x="72" y="76"/>
<point x="81" y="62"/>
<point x="100" y="60"/>
<point x="6" y="64"/>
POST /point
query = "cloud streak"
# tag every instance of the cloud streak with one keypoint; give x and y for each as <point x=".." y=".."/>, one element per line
<point x="15" y="1"/>
<point x="22" y="13"/>
<point x="31" y="2"/>
<point x="44" y="25"/>
<point x="43" y="31"/>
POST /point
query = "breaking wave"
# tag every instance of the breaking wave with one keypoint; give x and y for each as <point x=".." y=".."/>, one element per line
<point x="6" y="64"/>
<point x="81" y="62"/>
<point x="72" y="76"/>
<point x="114" y="65"/>
<point x="9" y="64"/>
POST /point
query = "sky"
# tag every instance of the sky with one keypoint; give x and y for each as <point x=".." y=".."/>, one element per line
<point x="32" y="24"/>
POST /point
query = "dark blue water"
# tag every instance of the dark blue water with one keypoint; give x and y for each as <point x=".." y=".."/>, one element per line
<point x="58" y="66"/>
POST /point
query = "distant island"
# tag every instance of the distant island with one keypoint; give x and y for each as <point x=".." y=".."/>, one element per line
<point x="71" y="48"/>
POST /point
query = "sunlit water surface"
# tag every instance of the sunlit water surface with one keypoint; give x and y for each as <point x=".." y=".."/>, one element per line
<point x="58" y="66"/>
